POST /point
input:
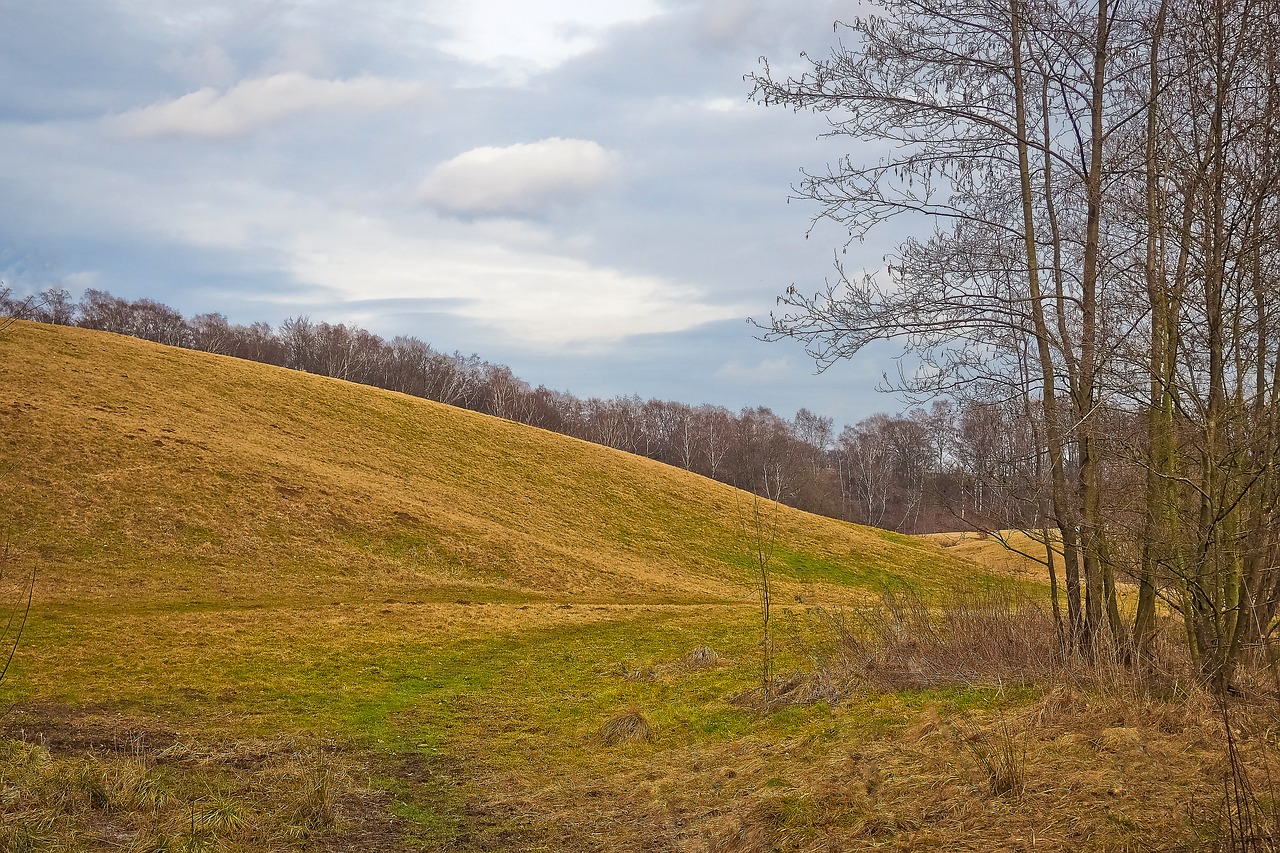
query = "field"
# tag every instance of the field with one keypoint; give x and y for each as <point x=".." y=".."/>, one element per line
<point x="274" y="611"/>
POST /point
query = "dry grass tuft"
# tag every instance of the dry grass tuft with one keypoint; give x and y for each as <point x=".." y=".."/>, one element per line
<point x="627" y="728"/>
<point x="1001" y="754"/>
<point x="771" y="822"/>
<point x="787" y="690"/>
<point x="703" y="657"/>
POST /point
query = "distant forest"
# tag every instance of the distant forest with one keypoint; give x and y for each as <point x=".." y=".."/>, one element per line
<point x="951" y="467"/>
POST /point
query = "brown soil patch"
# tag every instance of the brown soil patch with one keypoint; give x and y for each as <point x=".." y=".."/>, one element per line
<point x="95" y="742"/>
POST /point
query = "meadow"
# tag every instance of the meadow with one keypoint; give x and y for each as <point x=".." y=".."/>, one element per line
<point x="275" y="611"/>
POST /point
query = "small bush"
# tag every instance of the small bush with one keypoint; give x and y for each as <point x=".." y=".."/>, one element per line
<point x="986" y="639"/>
<point x="628" y="727"/>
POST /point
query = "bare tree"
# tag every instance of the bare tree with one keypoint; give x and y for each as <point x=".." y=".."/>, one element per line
<point x="1073" y="158"/>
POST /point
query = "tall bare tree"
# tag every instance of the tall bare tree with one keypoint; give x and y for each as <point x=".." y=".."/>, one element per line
<point x="1070" y="159"/>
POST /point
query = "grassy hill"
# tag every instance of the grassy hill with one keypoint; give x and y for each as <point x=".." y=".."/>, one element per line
<point x="1012" y="553"/>
<point x="276" y="611"/>
<point x="135" y="471"/>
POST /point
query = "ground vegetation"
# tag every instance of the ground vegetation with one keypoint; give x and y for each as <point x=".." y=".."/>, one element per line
<point x="942" y="468"/>
<point x="279" y="611"/>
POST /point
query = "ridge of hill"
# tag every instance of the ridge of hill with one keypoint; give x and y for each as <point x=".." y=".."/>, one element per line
<point x="134" y="471"/>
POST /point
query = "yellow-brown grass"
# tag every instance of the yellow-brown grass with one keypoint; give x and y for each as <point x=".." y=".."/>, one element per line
<point x="231" y="550"/>
<point x="1016" y="553"/>
<point x="133" y="470"/>
<point x="628" y="727"/>
<point x="363" y="613"/>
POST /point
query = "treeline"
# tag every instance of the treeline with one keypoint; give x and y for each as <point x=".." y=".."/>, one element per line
<point x="946" y="468"/>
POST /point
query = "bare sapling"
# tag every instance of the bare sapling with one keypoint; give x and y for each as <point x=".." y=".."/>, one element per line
<point x="16" y="622"/>
<point x="764" y="538"/>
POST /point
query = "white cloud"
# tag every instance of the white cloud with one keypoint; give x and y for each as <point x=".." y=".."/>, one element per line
<point x="82" y="279"/>
<point x="538" y="299"/>
<point x="518" y="179"/>
<point x="521" y="38"/>
<point x="266" y="100"/>
<point x="726" y="105"/>
<point x="206" y="63"/>
<point x="727" y="20"/>
<point x="507" y="276"/>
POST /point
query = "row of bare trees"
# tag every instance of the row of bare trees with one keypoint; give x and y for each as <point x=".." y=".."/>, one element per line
<point x="943" y="469"/>
<point x="1097" y="181"/>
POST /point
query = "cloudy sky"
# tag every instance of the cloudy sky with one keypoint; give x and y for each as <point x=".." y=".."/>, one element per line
<point x="578" y="189"/>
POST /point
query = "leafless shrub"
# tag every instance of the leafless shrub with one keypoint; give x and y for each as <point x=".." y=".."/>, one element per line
<point x="981" y="639"/>
<point x="995" y="639"/>
<point x="1244" y="821"/>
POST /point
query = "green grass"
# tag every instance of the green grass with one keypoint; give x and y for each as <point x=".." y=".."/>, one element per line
<point x="237" y="554"/>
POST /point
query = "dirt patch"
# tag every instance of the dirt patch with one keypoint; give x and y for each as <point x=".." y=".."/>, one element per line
<point x="303" y="793"/>
<point x="369" y="824"/>
<point x="65" y="730"/>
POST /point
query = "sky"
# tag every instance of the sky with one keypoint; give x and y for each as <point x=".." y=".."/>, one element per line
<point x="581" y="190"/>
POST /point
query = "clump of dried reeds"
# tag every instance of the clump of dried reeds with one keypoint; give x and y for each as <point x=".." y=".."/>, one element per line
<point x="1001" y="755"/>
<point x="976" y="640"/>
<point x="703" y="657"/>
<point x="626" y="728"/>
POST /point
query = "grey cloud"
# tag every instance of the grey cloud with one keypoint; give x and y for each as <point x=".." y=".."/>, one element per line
<point x="691" y="211"/>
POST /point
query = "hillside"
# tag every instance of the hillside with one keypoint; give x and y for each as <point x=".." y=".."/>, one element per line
<point x="448" y="604"/>
<point x="140" y="471"/>
<point x="1013" y="553"/>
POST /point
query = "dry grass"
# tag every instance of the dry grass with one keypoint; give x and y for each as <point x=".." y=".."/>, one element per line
<point x="1001" y="755"/>
<point x="181" y="475"/>
<point x="1014" y="553"/>
<point x="139" y="795"/>
<point x="986" y="639"/>
<point x="1078" y="759"/>
<point x="702" y="657"/>
<point x="626" y="728"/>
<point x="990" y="639"/>
<point x="976" y="639"/>
<point x="397" y="625"/>
<point x="1069" y="771"/>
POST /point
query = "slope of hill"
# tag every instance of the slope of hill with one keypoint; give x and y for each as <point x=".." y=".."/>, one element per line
<point x="140" y="471"/>
<point x="1013" y="553"/>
